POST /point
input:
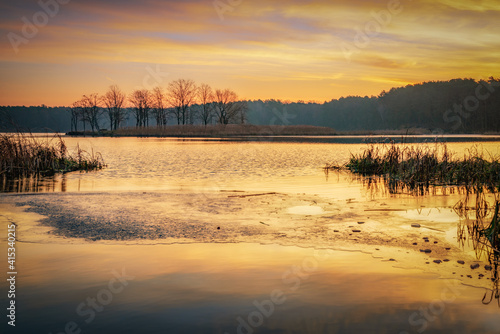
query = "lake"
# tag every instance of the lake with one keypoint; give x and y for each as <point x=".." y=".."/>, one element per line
<point x="238" y="236"/>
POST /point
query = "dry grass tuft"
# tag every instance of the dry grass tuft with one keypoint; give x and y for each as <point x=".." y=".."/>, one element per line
<point x="23" y="155"/>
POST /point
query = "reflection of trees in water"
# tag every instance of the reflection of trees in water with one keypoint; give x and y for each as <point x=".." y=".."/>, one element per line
<point x="34" y="184"/>
<point x="480" y="224"/>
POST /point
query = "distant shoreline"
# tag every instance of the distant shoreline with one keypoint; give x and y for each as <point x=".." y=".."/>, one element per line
<point x="214" y="131"/>
<point x="241" y="131"/>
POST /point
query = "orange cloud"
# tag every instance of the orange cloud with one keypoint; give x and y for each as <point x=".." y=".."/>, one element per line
<point x="284" y="49"/>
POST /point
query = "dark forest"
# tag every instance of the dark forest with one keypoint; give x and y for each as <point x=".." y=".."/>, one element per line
<point x="455" y="106"/>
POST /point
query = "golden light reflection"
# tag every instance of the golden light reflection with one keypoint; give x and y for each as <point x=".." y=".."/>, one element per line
<point x="236" y="268"/>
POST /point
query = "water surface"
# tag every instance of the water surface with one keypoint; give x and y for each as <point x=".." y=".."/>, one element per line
<point x="211" y="230"/>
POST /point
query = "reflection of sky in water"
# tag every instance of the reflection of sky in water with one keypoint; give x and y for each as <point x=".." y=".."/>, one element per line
<point x="204" y="288"/>
<point x="154" y="164"/>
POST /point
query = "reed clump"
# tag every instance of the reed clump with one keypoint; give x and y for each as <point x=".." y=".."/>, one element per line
<point x="422" y="166"/>
<point x="24" y="155"/>
<point x="492" y="232"/>
<point x="485" y="237"/>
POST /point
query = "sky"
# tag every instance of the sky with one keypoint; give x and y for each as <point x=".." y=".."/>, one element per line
<point x="54" y="51"/>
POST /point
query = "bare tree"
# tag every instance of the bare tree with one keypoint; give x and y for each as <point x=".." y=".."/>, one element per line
<point x="114" y="100"/>
<point x="141" y="102"/>
<point x="94" y="110"/>
<point x="159" y="106"/>
<point x="75" y="110"/>
<point x="181" y="94"/>
<point x="81" y="112"/>
<point x="228" y="108"/>
<point x="206" y="99"/>
<point x="88" y="110"/>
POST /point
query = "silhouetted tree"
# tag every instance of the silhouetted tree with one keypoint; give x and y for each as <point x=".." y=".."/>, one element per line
<point x="206" y="99"/>
<point x="91" y="110"/>
<point x="114" y="101"/>
<point x="75" y="115"/>
<point x="159" y="106"/>
<point x="86" y="110"/>
<point x="141" y="101"/>
<point x="227" y="106"/>
<point x="80" y="112"/>
<point x="181" y="95"/>
<point x="458" y="105"/>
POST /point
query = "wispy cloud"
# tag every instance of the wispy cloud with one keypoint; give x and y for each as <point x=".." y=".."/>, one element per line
<point x="288" y="42"/>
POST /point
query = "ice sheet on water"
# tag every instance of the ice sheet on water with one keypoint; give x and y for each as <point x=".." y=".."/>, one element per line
<point x="218" y="216"/>
<point x="235" y="216"/>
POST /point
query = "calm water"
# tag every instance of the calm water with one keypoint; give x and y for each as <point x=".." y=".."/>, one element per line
<point x="195" y="255"/>
<point x="166" y="164"/>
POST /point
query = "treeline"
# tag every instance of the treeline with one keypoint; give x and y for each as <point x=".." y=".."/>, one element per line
<point x="455" y="106"/>
<point x="34" y="118"/>
<point x="183" y="101"/>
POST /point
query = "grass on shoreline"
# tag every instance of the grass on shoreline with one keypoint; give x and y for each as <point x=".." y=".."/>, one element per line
<point x="23" y="155"/>
<point x="242" y="130"/>
<point x="229" y="130"/>
<point x="419" y="167"/>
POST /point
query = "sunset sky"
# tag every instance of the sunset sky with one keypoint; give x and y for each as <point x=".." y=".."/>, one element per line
<point x="281" y="49"/>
